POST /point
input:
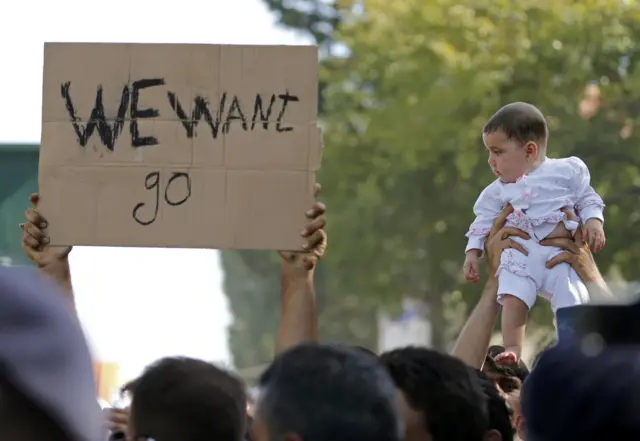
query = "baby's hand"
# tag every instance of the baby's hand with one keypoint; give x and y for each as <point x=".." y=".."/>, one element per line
<point x="471" y="267"/>
<point x="594" y="234"/>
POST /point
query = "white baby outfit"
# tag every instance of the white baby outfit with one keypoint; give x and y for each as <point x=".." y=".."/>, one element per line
<point x="537" y="198"/>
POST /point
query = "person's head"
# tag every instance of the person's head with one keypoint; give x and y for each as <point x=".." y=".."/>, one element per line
<point x="508" y="378"/>
<point x="47" y="385"/>
<point x="516" y="138"/>
<point x="582" y="392"/>
<point x="316" y="392"/>
<point x="513" y="400"/>
<point x="500" y="421"/>
<point x="183" y="399"/>
<point x="441" y="397"/>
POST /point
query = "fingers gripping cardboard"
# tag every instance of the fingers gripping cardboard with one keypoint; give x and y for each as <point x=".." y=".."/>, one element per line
<point x="202" y="146"/>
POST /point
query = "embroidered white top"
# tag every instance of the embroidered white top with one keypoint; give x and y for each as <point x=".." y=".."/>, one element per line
<point x="537" y="198"/>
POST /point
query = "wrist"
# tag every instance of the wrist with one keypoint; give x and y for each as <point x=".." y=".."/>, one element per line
<point x="295" y="271"/>
<point x="491" y="287"/>
<point x="474" y="253"/>
<point x="599" y="291"/>
<point x="59" y="269"/>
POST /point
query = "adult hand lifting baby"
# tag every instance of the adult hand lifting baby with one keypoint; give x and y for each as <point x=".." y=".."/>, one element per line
<point x="592" y="233"/>
<point x="499" y="238"/>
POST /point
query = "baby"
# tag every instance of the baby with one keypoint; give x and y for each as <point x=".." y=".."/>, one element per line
<point x="538" y="188"/>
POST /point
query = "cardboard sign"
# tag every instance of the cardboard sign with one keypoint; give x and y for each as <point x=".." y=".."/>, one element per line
<point x="191" y="146"/>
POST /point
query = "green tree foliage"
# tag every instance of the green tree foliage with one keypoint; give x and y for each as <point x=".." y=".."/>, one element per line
<point x="404" y="162"/>
<point x="420" y="80"/>
<point x="317" y="19"/>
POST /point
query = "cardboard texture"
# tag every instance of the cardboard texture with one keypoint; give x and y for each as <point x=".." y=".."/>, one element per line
<point x="191" y="146"/>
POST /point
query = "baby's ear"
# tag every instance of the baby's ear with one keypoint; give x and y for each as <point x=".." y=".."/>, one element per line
<point x="532" y="150"/>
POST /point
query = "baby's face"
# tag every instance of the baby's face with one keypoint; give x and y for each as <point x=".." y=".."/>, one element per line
<point x="507" y="158"/>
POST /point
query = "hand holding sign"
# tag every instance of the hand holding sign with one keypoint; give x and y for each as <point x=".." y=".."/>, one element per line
<point x="315" y="239"/>
<point x="35" y="242"/>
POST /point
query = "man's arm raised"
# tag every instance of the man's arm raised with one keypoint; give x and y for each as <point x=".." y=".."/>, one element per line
<point x="51" y="261"/>
<point x="299" y="322"/>
<point x="475" y="337"/>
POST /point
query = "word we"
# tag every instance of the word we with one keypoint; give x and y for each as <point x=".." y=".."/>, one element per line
<point x="218" y="120"/>
<point x="152" y="182"/>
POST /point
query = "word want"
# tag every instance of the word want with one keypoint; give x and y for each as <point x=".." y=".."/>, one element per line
<point x="152" y="182"/>
<point x="218" y="120"/>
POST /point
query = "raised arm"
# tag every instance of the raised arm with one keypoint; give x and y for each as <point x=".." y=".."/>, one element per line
<point x="473" y="341"/>
<point x="51" y="261"/>
<point x="299" y="322"/>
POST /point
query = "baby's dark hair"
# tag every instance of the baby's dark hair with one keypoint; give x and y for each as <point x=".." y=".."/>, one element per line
<point x="520" y="121"/>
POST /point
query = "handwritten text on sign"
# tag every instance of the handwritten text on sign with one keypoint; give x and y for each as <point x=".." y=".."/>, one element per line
<point x="163" y="141"/>
<point x="217" y="119"/>
<point x="222" y="121"/>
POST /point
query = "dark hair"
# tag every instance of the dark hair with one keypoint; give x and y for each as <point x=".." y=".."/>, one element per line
<point x="444" y="389"/>
<point x="503" y="376"/>
<point x="129" y="387"/>
<point x="21" y="419"/>
<point x="520" y="121"/>
<point x="366" y="351"/>
<point x="499" y="411"/>
<point x="183" y="399"/>
<point x="571" y="395"/>
<point x="329" y="393"/>
<point x="519" y="371"/>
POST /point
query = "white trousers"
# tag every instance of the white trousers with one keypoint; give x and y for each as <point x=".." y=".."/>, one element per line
<point x="525" y="277"/>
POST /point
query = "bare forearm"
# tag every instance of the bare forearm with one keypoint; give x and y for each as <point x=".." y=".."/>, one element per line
<point x="599" y="291"/>
<point x="298" y="323"/>
<point x="60" y="273"/>
<point x="475" y="337"/>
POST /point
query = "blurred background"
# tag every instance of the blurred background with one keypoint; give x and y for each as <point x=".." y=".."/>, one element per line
<point x="405" y="90"/>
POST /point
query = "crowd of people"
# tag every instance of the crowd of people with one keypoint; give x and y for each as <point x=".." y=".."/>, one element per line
<point x="312" y="391"/>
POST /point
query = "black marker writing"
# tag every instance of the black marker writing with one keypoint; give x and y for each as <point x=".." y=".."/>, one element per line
<point x="173" y="177"/>
<point x="152" y="182"/>
<point x="136" y="113"/>
<point x="235" y="113"/>
<point x="286" y="98"/>
<point x="218" y="120"/>
<point x="97" y="120"/>
<point x="258" y="109"/>
<point x="200" y="110"/>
